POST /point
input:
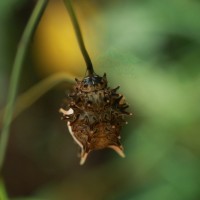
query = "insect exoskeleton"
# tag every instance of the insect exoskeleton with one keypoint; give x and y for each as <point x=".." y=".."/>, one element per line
<point x="95" y="115"/>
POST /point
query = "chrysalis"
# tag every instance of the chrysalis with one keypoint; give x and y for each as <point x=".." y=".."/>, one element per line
<point x="95" y="115"/>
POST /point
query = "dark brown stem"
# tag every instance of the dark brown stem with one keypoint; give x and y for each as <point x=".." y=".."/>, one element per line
<point x="79" y="36"/>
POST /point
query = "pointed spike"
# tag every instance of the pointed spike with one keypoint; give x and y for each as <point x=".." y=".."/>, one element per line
<point x="119" y="99"/>
<point x="126" y="113"/>
<point x="104" y="75"/>
<point x="118" y="150"/>
<point x="124" y="107"/>
<point x="115" y="89"/>
<point x="83" y="158"/>
<point x="64" y="112"/>
<point x="77" y="80"/>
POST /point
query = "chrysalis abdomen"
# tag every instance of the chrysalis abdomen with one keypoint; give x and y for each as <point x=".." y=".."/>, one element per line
<point x="95" y="115"/>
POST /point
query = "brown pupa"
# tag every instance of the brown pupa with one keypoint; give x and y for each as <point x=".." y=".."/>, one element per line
<point x="95" y="115"/>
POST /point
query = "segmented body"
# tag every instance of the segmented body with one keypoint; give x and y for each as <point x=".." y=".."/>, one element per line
<point x="95" y="115"/>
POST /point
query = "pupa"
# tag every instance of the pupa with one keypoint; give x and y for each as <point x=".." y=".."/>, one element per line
<point x="95" y="115"/>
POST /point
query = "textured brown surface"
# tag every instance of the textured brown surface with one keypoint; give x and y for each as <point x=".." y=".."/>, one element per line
<point x="95" y="114"/>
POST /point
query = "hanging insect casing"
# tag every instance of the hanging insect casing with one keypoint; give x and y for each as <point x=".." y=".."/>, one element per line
<point x="95" y="115"/>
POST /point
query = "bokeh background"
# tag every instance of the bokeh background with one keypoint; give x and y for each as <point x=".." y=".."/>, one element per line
<point x="151" y="48"/>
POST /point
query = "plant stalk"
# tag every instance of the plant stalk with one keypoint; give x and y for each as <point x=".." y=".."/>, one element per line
<point x="79" y="36"/>
<point x="15" y="75"/>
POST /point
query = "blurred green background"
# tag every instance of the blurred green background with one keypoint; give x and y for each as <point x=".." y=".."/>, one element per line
<point x="151" y="48"/>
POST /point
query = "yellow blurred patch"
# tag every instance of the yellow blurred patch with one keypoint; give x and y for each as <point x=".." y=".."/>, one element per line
<point x="55" y="47"/>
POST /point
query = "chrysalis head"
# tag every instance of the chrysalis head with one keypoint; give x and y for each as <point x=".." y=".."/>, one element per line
<point x="95" y="115"/>
<point x="92" y="83"/>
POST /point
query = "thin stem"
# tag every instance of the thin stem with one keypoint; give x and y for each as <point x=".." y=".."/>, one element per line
<point x="79" y="36"/>
<point x="15" y="76"/>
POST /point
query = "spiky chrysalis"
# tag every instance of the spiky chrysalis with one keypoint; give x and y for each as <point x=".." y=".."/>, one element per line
<point x="95" y="115"/>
